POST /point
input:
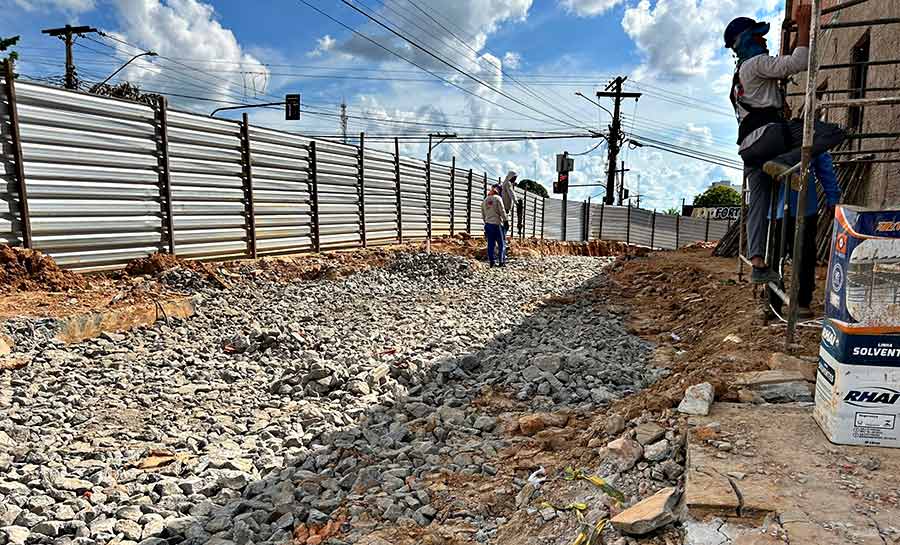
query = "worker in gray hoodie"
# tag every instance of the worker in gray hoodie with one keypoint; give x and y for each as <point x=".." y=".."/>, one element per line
<point x="494" y="216"/>
<point x="508" y="194"/>
<point x="769" y="142"/>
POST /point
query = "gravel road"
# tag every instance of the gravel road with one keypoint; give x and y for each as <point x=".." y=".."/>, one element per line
<point x="289" y="404"/>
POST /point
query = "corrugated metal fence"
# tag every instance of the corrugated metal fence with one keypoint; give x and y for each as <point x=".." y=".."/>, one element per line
<point x="96" y="182"/>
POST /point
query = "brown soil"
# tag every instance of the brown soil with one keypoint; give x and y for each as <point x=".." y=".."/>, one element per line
<point x="30" y="270"/>
<point x="689" y="303"/>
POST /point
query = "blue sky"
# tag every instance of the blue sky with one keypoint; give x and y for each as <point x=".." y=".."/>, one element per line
<point x="537" y="53"/>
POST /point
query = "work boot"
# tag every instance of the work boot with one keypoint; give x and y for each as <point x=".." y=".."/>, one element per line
<point x="776" y="169"/>
<point x="763" y="275"/>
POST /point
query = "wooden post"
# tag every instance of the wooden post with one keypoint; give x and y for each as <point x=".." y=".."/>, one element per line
<point x="452" y="194"/>
<point x="247" y="159"/>
<point x="314" y="197"/>
<point x="165" y="178"/>
<point x="469" y="205"/>
<point x="652" y="228"/>
<point x="19" y="165"/>
<point x="397" y="185"/>
<point x="362" y="189"/>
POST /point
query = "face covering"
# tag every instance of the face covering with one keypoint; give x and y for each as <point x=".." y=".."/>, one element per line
<point x="746" y="45"/>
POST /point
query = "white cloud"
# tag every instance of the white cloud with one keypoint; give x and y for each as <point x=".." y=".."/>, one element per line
<point x="512" y="60"/>
<point x="589" y="8"/>
<point x="683" y="38"/>
<point x="68" y="6"/>
<point x="703" y="134"/>
<point x="188" y="28"/>
<point x="323" y="45"/>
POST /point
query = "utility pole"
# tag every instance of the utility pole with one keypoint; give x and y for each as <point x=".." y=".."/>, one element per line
<point x="615" y="133"/>
<point x="344" y="120"/>
<point x="65" y="34"/>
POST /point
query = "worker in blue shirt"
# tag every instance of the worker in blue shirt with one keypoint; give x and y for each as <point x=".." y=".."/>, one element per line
<point x="821" y="170"/>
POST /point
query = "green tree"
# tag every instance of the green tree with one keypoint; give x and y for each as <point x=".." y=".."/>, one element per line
<point x="673" y="211"/>
<point x="6" y="43"/>
<point x="719" y="195"/>
<point x="534" y="187"/>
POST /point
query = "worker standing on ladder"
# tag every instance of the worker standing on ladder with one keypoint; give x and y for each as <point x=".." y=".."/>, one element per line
<point x="769" y="143"/>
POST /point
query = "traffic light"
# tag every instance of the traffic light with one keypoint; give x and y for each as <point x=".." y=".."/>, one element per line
<point x="561" y="185"/>
<point x="292" y="107"/>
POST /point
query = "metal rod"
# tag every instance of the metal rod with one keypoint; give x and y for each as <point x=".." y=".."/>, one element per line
<point x="865" y="151"/>
<point x="543" y="209"/>
<point x="585" y="219"/>
<point x="843" y="91"/>
<point x="524" y="215"/>
<point x="248" y="186"/>
<point x="706" y="234"/>
<point x="534" y="217"/>
<point x="871" y="161"/>
<point x="860" y="102"/>
<point x="469" y="205"/>
<point x="806" y="156"/>
<point x="565" y="214"/>
<point x="838" y="66"/>
<point x="677" y="231"/>
<point x="628" y="224"/>
<point x="18" y="157"/>
<point x="843" y="5"/>
<point x="873" y="135"/>
<point x="314" y="196"/>
<point x="428" y="198"/>
<point x="452" y="194"/>
<point x="652" y="228"/>
<point x="485" y="185"/>
<point x="744" y="260"/>
<point x="741" y="228"/>
<point x="869" y="22"/>
<point x="602" y="208"/>
<point x="776" y="289"/>
<point x="165" y="178"/>
<point x="362" y="190"/>
<point x="397" y="185"/>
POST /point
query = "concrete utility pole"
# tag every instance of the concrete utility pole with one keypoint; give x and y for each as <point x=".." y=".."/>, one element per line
<point x="615" y="133"/>
<point x="65" y="34"/>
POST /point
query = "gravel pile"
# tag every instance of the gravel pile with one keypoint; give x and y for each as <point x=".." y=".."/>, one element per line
<point x="287" y="405"/>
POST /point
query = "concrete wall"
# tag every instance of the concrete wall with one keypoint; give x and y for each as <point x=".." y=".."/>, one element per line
<point x="835" y="46"/>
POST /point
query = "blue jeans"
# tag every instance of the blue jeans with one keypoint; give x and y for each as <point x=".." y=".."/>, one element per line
<point x="494" y="234"/>
<point x="505" y="245"/>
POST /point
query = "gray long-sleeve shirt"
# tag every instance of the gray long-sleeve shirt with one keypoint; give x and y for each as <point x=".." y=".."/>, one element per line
<point x="760" y="78"/>
<point x="509" y="197"/>
<point x="492" y="210"/>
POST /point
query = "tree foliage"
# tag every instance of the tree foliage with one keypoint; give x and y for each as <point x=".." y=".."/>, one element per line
<point x="6" y="43"/>
<point x="534" y="187"/>
<point x="126" y="90"/>
<point x="673" y="211"/>
<point x="719" y="195"/>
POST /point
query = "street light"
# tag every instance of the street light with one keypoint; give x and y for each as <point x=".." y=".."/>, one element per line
<point x="144" y="54"/>
<point x="597" y="104"/>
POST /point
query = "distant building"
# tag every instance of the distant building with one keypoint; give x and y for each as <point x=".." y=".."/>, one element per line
<point x="725" y="183"/>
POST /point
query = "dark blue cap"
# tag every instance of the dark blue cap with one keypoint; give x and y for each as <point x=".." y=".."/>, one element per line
<point x="739" y="25"/>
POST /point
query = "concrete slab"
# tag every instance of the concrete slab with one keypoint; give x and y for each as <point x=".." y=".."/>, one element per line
<point x="774" y="460"/>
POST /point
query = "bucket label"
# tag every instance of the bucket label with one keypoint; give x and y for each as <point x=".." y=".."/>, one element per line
<point x="880" y="421"/>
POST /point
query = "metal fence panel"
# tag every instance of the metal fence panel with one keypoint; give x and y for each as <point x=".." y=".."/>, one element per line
<point x="553" y="219"/>
<point x="91" y="173"/>
<point x="614" y="223"/>
<point x="412" y="190"/>
<point x="665" y="231"/>
<point x="380" y="197"/>
<point x="337" y="173"/>
<point x="281" y="191"/>
<point x="641" y="226"/>
<point x="208" y="204"/>
<point x="440" y="199"/>
<point x="9" y="201"/>
<point x="574" y="220"/>
<point x="460" y="196"/>
<point x="692" y="230"/>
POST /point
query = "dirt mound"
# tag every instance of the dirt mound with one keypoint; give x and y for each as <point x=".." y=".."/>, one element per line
<point x="30" y="270"/>
<point x="467" y="246"/>
<point x="154" y="264"/>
